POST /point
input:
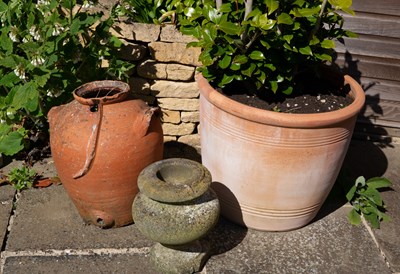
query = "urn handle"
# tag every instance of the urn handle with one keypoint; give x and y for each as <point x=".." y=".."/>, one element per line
<point x="143" y="124"/>
<point x="92" y="142"/>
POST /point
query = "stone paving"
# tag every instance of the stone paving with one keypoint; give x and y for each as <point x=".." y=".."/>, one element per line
<point x="41" y="232"/>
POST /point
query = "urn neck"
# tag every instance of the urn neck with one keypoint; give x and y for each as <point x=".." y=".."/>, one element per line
<point x="101" y="92"/>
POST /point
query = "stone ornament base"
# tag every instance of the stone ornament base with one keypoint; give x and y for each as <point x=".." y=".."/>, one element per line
<point x="189" y="258"/>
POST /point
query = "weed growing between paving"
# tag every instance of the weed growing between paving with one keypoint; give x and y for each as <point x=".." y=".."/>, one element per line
<point x="367" y="202"/>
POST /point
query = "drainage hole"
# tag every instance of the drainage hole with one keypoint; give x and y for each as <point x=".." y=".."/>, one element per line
<point x="100" y="222"/>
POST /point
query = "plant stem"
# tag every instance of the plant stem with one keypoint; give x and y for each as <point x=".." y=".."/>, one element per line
<point x="318" y="24"/>
<point x="218" y="4"/>
<point x="255" y="37"/>
<point x="244" y="36"/>
<point x="249" y="8"/>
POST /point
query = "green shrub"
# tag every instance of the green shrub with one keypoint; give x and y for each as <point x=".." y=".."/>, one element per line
<point x="47" y="49"/>
<point x="264" y="43"/>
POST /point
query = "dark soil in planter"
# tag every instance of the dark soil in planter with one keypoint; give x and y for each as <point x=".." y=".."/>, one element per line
<point x="310" y="95"/>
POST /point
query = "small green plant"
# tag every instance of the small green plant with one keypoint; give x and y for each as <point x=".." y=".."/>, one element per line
<point x="367" y="201"/>
<point x="22" y="178"/>
<point x="47" y="49"/>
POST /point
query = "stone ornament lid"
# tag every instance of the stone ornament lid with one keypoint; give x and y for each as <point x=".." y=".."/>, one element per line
<point x="174" y="180"/>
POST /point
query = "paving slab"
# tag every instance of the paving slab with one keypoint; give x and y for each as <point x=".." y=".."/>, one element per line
<point x="129" y="264"/>
<point x="381" y="159"/>
<point x="6" y="203"/>
<point x="328" y="245"/>
<point x="46" y="219"/>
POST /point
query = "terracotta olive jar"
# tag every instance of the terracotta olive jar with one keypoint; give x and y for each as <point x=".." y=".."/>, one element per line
<point x="100" y="142"/>
<point x="272" y="171"/>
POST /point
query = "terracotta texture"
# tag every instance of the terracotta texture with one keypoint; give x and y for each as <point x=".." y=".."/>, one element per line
<point x="273" y="171"/>
<point x="100" y="142"/>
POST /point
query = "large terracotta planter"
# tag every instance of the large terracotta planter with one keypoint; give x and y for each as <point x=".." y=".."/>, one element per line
<point x="273" y="171"/>
<point x="100" y="143"/>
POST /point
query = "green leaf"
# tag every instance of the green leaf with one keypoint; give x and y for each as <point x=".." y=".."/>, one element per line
<point x="225" y="62"/>
<point x="360" y="181"/>
<point x="324" y="57"/>
<point x="288" y="90"/>
<point x="350" y="34"/>
<point x="314" y="41"/>
<point x="69" y="4"/>
<point x="5" y="43"/>
<point x="271" y="5"/>
<point x="372" y="219"/>
<point x="288" y="38"/>
<point x="265" y="44"/>
<point x="205" y="58"/>
<point x="33" y="105"/>
<point x="373" y="195"/>
<point x="306" y="51"/>
<point x="353" y="217"/>
<point x="328" y="44"/>
<point x="225" y="8"/>
<point x="270" y="66"/>
<point x="41" y="80"/>
<point x="249" y="71"/>
<point x="8" y="62"/>
<point x="262" y="77"/>
<point x="274" y="86"/>
<point x="191" y="31"/>
<point x="306" y="12"/>
<point x="350" y="193"/>
<point x="265" y="23"/>
<point x="341" y="3"/>
<point x="9" y="79"/>
<point x="384" y="217"/>
<point x="226" y="79"/>
<point x="229" y="28"/>
<point x="209" y="34"/>
<point x="11" y="143"/>
<point x="240" y="59"/>
<point x="235" y="66"/>
<point x="378" y="182"/>
<point x="213" y="15"/>
<point x="24" y="94"/>
<point x="257" y="55"/>
<point x="3" y="6"/>
<point x="285" y="19"/>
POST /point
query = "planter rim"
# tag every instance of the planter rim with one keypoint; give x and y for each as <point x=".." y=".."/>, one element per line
<point x="290" y="120"/>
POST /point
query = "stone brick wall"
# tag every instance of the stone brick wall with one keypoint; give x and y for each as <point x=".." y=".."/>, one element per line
<point x="164" y="76"/>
